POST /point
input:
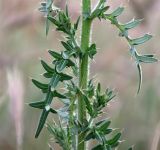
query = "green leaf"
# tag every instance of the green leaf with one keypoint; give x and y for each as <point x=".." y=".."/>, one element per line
<point x="98" y="147"/>
<point x="140" y="77"/>
<point x="117" y="12"/>
<point x="53" y="111"/>
<point x="131" y="148"/>
<point x="54" y="21"/>
<point x="61" y="65"/>
<point x="141" y="40"/>
<point x="77" y="23"/>
<point x="132" y="24"/>
<point x="103" y="125"/>
<point x="40" y="104"/>
<point x="56" y="94"/>
<point x="64" y="77"/>
<point x="147" y="59"/>
<point x="88" y="105"/>
<point x="104" y="9"/>
<point x="40" y="85"/>
<point x="67" y="46"/>
<point x="47" y="67"/>
<point x="116" y="144"/>
<point x="90" y="135"/>
<point x="114" y="140"/>
<point x="55" y="54"/>
<point x="42" y="121"/>
<point x="92" y="50"/>
<point x="98" y="136"/>
<point x="48" y="75"/>
<point x="95" y="13"/>
<point x="107" y="131"/>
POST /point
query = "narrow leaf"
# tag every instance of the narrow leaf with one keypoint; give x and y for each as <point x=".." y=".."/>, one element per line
<point x="53" y="20"/>
<point x="67" y="46"/>
<point x="47" y="75"/>
<point x="53" y="111"/>
<point x="40" y="104"/>
<point x="42" y="121"/>
<point x="98" y="147"/>
<point x="47" y="67"/>
<point x="77" y="23"/>
<point x="132" y="24"/>
<point x="104" y="125"/>
<point x="147" y="59"/>
<point x="141" y="40"/>
<point x="117" y="12"/>
<point x="56" y="94"/>
<point x="88" y="105"/>
<point x="40" y="85"/>
<point x="114" y="139"/>
<point x="65" y="77"/>
<point x="55" y="54"/>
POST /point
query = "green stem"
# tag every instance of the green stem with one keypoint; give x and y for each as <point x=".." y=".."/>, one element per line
<point x="84" y="67"/>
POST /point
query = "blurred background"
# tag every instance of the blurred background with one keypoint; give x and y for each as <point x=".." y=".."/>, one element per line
<point x="23" y="42"/>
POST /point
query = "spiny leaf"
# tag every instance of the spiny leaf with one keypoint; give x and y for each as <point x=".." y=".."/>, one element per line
<point x="104" y="125"/>
<point x="42" y="121"/>
<point x="47" y="67"/>
<point x="89" y="136"/>
<point x="132" y="24"/>
<point x="55" y="54"/>
<point x="88" y="105"/>
<point x="40" y="85"/>
<point x="140" y="77"/>
<point x="92" y="50"/>
<point x="117" y="12"/>
<point x="56" y="94"/>
<point x="53" y="20"/>
<point x="48" y="75"/>
<point x="98" y="147"/>
<point x="53" y="111"/>
<point x="65" y="77"/>
<point x="114" y="139"/>
<point x="141" y="40"/>
<point x="40" y="104"/>
<point x="67" y="46"/>
<point x="77" y="23"/>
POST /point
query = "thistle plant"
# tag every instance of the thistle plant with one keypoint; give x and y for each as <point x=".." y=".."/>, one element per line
<point x="83" y="102"/>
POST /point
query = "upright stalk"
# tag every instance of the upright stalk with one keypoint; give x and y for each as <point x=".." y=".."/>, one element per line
<point x="84" y="67"/>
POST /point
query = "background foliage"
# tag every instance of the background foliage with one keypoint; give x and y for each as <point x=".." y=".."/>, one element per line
<point x="23" y="40"/>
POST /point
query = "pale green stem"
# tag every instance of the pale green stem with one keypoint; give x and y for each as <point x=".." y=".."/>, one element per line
<point x="84" y="67"/>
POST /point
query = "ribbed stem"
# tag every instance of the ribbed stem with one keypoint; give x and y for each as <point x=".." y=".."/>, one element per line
<point x="84" y="67"/>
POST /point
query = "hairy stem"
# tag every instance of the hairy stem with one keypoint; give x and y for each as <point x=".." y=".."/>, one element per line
<point x="84" y="67"/>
